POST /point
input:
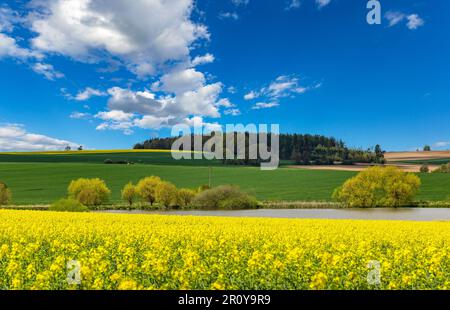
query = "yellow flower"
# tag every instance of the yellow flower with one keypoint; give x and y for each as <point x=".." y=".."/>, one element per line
<point x="318" y="281"/>
<point x="128" y="285"/>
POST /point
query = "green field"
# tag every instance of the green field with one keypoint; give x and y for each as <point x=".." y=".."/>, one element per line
<point x="137" y="157"/>
<point x="34" y="179"/>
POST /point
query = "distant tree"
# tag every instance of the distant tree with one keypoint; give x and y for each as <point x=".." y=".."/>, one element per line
<point x="379" y="187"/>
<point x="424" y="168"/>
<point x="146" y="188"/>
<point x="68" y="148"/>
<point x="80" y="148"/>
<point x="129" y="193"/>
<point x="427" y="148"/>
<point x="378" y="151"/>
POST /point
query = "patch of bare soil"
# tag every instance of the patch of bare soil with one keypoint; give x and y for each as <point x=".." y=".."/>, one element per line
<point x="401" y="156"/>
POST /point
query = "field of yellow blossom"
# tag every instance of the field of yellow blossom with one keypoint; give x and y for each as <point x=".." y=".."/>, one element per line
<point x="174" y="252"/>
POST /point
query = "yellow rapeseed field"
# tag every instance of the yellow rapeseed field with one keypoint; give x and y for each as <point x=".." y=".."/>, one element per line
<point x="86" y="152"/>
<point x="174" y="252"/>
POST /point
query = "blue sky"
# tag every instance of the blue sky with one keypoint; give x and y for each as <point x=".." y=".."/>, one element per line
<point x="109" y="73"/>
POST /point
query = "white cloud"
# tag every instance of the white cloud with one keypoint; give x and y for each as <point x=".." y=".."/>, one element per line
<point x="123" y="126"/>
<point x="14" y="137"/>
<point x="140" y="102"/>
<point x="229" y="15"/>
<point x="442" y="144"/>
<point x="251" y="95"/>
<point x="147" y="110"/>
<point x="7" y="19"/>
<point x="144" y="34"/>
<point x="47" y="70"/>
<point x="201" y="101"/>
<point x="178" y="82"/>
<point x="394" y="17"/>
<point x="293" y="4"/>
<point x="88" y="93"/>
<point x="79" y="115"/>
<point x="265" y="105"/>
<point x="205" y="59"/>
<point x="284" y="86"/>
<point x="10" y="48"/>
<point x="198" y="121"/>
<point x="232" y="89"/>
<point x="233" y="112"/>
<point x="240" y="2"/>
<point x="226" y="103"/>
<point x="115" y="115"/>
<point x="322" y="3"/>
<point x="151" y="122"/>
<point x="414" y="21"/>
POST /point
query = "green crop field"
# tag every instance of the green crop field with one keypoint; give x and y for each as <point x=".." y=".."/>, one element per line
<point x="42" y="178"/>
<point x="98" y="157"/>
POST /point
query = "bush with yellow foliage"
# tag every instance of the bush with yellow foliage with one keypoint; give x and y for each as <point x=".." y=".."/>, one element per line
<point x="146" y="188"/>
<point x="5" y="194"/>
<point x="185" y="197"/>
<point x="89" y="192"/>
<point x="166" y="194"/>
<point x="379" y="187"/>
<point x="129" y="193"/>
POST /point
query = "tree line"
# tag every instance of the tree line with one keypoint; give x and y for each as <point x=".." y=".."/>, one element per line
<point x="303" y="149"/>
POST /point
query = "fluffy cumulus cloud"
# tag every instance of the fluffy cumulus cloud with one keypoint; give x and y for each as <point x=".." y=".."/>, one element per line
<point x="8" y="45"/>
<point x="10" y="48"/>
<point x="185" y="95"/>
<point x="412" y="21"/>
<point x="144" y="34"/>
<point x="88" y="93"/>
<point x="14" y="137"/>
<point x="151" y="38"/>
<point x="251" y="95"/>
<point x="205" y="59"/>
<point x="180" y="81"/>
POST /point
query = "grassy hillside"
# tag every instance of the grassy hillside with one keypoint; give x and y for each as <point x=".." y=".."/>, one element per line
<point x="34" y="183"/>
